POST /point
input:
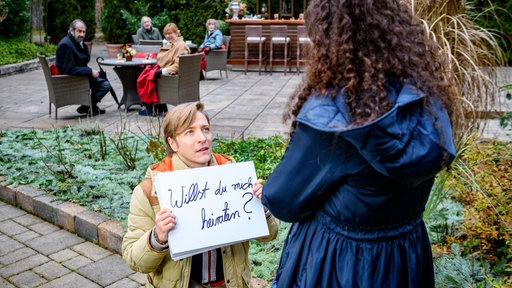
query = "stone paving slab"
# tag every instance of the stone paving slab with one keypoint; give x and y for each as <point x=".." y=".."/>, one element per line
<point x="54" y="242"/>
<point x="71" y="280"/>
<point x="35" y="253"/>
<point x="97" y="270"/>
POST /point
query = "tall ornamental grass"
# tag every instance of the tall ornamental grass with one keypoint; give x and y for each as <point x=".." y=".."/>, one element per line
<point x="474" y="56"/>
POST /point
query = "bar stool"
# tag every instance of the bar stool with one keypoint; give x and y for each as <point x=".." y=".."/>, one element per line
<point x="302" y="38"/>
<point x="253" y="35"/>
<point x="278" y="34"/>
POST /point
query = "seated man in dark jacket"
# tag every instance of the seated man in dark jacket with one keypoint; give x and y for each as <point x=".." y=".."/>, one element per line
<point x="72" y="58"/>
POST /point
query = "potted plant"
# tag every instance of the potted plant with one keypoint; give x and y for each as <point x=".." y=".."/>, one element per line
<point x="128" y="52"/>
<point x="113" y="27"/>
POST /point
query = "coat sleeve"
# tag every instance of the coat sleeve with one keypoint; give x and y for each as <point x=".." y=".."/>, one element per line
<point x="139" y="34"/>
<point x="273" y="229"/>
<point x="217" y="40"/>
<point x="303" y="179"/>
<point x="137" y="251"/>
<point x="204" y="41"/>
<point x="157" y="34"/>
<point x="67" y="63"/>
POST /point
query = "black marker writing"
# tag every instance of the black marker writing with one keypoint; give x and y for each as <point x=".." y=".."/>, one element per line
<point x="250" y="199"/>
<point x="221" y="190"/>
<point x="193" y="194"/>
<point x="242" y="186"/>
<point x="214" y="221"/>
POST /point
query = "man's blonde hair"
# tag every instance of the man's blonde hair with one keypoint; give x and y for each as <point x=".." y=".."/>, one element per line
<point x="179" y="119"/>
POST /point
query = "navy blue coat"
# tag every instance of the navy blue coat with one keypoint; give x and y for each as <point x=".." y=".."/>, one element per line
<point x="72" y="58"/>
<point x="356" y="195"/>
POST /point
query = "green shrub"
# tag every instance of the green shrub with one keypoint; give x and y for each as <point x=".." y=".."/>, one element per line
<point x="470" y="229"/>
<point x="454" y="270"/>
<point x="104" y="180"/>
<point x="496" y="16"/>
<point x="481" y="181"/>
<point x="60" y="14"/>
<point x="265" y="152"/>
<point x="121" y="20"/>
<point x="112" y="24"/>
<point x="133" y="20"/>
<point x="20" y="49"/>
<point x="16" y="24"/>
<point x="224" y="27"/>
<point x="191" y="16"/>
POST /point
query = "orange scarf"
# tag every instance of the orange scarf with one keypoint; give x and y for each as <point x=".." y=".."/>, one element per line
<point x="166" y="164"/>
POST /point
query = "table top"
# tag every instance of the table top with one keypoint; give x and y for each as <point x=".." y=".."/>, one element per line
<point x="159" y="43"/>
<point x="134" y="62"/>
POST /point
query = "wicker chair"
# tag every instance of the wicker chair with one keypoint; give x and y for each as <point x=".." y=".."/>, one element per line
<point x="182" y="87"/>
<point x="217" y="59"/>
<point x="64" y="90"/>
<point x="135" y="39"/>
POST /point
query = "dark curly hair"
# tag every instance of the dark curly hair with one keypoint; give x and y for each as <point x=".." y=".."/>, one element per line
<point x="357" y="45"/>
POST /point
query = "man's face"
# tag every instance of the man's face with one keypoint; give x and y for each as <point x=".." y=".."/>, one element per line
<point x="194" y="145"/>
<point x="146" y="23"/>
<point x="79" y="32"/>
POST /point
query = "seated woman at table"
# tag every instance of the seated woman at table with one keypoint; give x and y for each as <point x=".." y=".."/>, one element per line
<point x="213" y="37"/>
<point x="212" y="40"/>
<point x="167" y="63"/>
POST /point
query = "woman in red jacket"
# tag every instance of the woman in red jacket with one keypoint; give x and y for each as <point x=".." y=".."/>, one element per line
<point x="167" y="63"/>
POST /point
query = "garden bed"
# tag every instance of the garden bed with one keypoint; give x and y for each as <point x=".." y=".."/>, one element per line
<point x="470" y="225"/>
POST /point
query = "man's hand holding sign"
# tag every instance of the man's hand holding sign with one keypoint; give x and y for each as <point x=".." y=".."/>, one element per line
<point x="213" y="207"/>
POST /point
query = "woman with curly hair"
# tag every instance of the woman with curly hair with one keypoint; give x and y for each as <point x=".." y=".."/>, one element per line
<point x="370" y="130"/>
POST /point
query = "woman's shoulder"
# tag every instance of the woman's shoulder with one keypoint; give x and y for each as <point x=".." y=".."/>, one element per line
<point x="325" y="112"/>
<point x="329" y="112"/>
<point x="180" y="42"/>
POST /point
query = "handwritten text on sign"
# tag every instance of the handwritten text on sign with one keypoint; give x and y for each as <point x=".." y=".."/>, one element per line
<point x="214" y="207"/>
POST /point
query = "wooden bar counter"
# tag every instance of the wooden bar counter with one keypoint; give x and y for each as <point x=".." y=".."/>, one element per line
<point x="237" y="46"/>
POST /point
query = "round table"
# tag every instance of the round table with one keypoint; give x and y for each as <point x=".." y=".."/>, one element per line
<point x="192" y="47"/>
<point x="128" y="72"/>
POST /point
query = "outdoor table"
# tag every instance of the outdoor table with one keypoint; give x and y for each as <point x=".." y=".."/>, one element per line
<point x="192" y="47"/>
<point x="128" y="72"/>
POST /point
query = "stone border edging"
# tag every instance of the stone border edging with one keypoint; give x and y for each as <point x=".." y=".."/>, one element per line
<point x="90" y="225"/>
<point x="11" y="69"/>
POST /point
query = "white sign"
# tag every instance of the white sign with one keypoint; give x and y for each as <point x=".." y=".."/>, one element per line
<point x="214" y="207"/>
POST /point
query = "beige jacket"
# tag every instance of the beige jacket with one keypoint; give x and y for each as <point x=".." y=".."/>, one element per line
<point x="161" y="269"/>
<point x="168" y="56"/>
